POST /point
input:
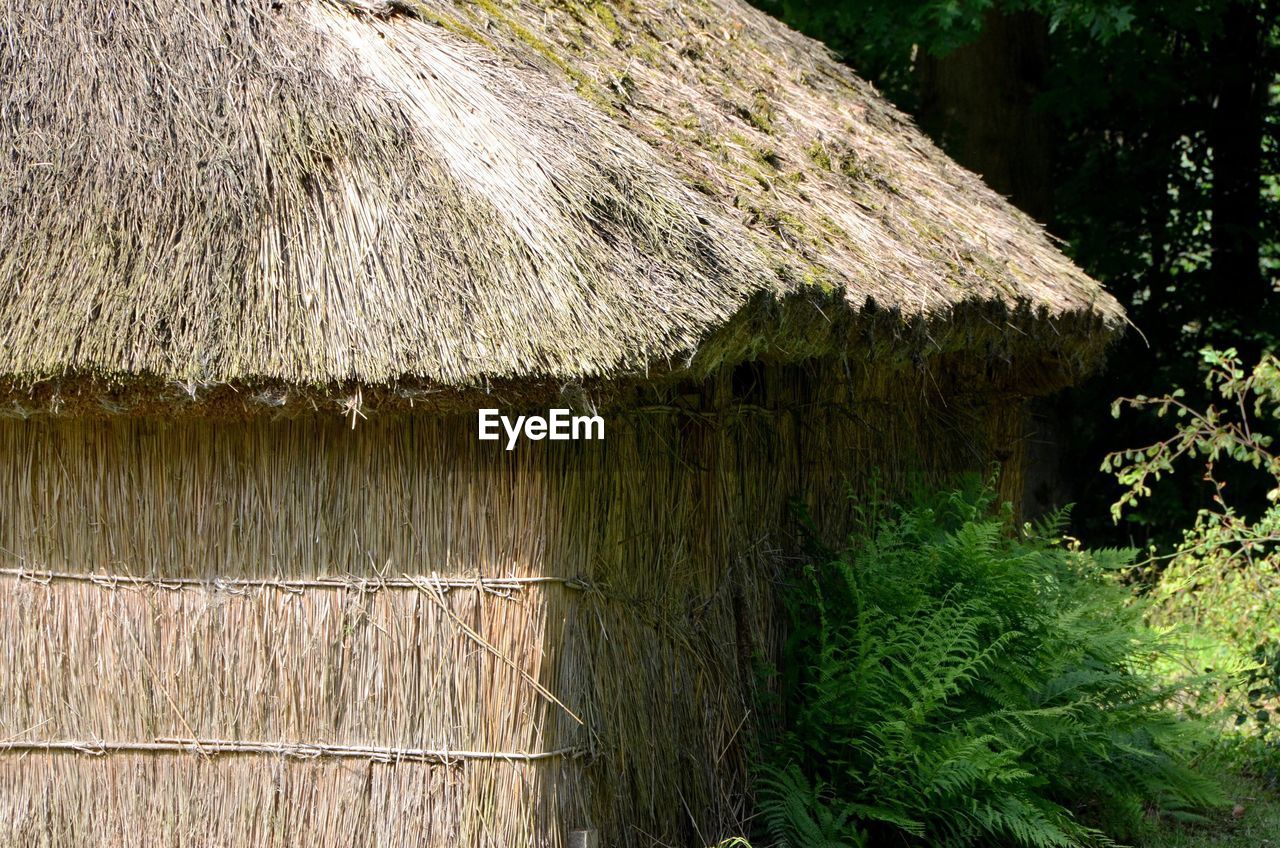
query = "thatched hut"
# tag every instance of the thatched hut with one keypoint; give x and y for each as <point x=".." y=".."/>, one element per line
<point x="261" y="262"/>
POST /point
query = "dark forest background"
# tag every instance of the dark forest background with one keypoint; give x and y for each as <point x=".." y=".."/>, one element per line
<point x="1146" y="136"/>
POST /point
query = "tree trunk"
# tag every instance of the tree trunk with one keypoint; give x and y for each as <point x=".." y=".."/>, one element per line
<point x="1235" y="134"/>
<point x="978" y="103"/>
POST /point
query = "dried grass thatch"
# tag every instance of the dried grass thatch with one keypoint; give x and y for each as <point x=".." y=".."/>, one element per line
<point x="289" y="633"/>
<point x="451" y="193"/>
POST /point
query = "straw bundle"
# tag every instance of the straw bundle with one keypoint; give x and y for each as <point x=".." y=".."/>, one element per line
<point x="244" y="634"/>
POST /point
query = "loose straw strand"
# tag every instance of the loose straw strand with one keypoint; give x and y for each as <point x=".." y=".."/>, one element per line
<point x="437" y="596"/>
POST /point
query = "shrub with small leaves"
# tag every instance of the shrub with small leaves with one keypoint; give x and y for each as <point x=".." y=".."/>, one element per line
<point x="1234" y="431"/>
<point x="1222" y="580"/>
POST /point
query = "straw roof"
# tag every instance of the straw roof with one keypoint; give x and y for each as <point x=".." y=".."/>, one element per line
<point x="442" y="192"/>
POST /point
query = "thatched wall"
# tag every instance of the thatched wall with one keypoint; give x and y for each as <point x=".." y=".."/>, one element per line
<point x="398" y="635"/>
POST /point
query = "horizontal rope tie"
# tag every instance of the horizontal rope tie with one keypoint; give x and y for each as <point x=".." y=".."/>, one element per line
<point x="216" y="747"/>
<point x="492" y="585"/>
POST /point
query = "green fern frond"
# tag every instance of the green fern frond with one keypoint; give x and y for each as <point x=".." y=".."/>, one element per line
<point x="957" y="685"/>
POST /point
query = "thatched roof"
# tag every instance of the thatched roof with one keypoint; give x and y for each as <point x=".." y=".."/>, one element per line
<point x="451" y="192"/>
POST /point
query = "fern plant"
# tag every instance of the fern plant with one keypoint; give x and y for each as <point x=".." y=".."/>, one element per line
<point x="947" y="683"/>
